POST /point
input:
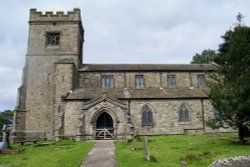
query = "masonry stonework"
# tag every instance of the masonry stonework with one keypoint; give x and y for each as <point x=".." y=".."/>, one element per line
<point x="61" y="97"/>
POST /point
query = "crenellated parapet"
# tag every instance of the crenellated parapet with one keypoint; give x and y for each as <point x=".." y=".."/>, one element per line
<point x="59" y="16"/>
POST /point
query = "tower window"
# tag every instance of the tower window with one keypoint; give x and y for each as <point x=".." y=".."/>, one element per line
<point x="139" y="81"/>
<point x="52" y="39"/>
<point x="107" y="81"/>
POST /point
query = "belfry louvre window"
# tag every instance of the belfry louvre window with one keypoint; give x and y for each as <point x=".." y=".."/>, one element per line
<point x="171" y="81"/>
<point x="201" y="82"/>
<point x="107" y="81"/>
<point x="52" y="39"/>
<point x="184" y="113"/>
<point x="147" y="115"/>
<point x="139" y="81"/>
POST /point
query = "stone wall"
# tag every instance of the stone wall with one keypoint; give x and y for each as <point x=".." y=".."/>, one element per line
<point x="64" y="82"/>
<point x="117" y="113"/>
<point x="166" y="118"/>
<point x="42" y="87"/>
<point x="151" y="79"/>
<point x="71" y="116"/>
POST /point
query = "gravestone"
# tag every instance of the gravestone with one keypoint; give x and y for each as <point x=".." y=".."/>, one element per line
<point x="146" y="148"/>
<point x="183" y="164"/>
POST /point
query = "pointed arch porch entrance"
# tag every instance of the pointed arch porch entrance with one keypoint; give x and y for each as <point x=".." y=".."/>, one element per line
<point x="104" y="126"/>
<point x="104" y="121"/>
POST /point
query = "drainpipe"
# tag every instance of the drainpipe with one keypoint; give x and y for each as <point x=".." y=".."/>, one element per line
<point x="129" y="114"/>
<point x="203" y="115"/>
<point x="130" y="124"/>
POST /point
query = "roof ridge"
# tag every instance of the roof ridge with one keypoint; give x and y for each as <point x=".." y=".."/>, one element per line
<point x="147" y="67"/>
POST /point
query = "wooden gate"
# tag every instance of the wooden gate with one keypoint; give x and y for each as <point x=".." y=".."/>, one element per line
<point x="104" y="134"/>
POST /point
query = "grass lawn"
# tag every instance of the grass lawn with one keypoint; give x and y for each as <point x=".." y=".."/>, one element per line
<point x="170" y="150"/>
<point x="64" y="153"/>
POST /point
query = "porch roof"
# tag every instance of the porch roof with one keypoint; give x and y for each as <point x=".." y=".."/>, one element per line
<point x="132" y="93"/>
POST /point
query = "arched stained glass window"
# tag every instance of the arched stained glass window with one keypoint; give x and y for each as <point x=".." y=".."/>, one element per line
<point x="147" y="115"/>
<point x="184" y="111"/>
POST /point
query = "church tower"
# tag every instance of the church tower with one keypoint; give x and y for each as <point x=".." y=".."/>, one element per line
<point x="53" y="57"/>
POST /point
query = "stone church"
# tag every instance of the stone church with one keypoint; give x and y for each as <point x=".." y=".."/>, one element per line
<point x="61" y="97"/>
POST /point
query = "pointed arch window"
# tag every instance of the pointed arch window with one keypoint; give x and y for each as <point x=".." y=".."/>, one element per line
<point x="184" y="113"/>
<point x="147" y="115"/>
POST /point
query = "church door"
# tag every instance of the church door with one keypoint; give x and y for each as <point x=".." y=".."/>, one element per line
<point x="104" y="127"/>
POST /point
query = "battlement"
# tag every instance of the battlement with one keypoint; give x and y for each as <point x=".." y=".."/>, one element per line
<point x="74" y="15"/>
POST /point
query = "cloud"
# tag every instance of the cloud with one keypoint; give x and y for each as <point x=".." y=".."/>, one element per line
<point x="10" y="72"/>
<point x="10" y="80"/>
<point x="141" y="31"/>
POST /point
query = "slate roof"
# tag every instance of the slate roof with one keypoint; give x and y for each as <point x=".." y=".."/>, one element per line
<point x="146" y="67"/>
<point x="132" y="93"/>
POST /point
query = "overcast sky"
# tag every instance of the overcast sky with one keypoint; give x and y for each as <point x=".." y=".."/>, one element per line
<point x="120" y="31"/>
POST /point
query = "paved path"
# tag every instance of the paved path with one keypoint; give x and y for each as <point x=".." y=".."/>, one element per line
<point x="101" y="155"/>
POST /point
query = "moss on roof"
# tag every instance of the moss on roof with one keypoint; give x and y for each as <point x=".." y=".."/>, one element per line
<point x="147" y="67"/>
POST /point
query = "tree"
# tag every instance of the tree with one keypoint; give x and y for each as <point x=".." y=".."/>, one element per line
<point x="230" y="86"/>
<point x="206" y="57"/>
